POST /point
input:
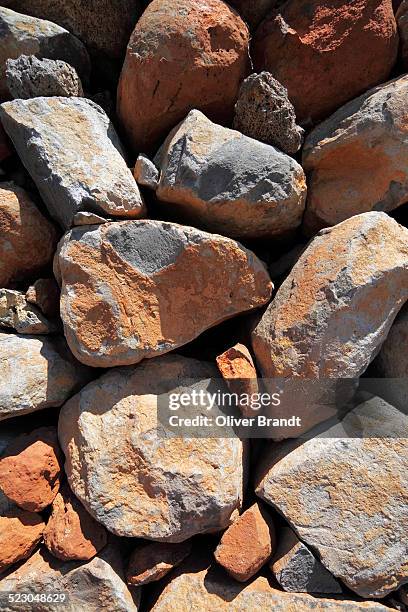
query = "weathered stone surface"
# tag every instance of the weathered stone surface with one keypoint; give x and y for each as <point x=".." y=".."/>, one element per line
<point x="182" y="55"/>
<point x="27" y="238"/>
<point x="138" y="289"/>
<point x="88" y="218"/>
<point x="45" y="294"/>
<point x="345" y="494"/>
<point x="47" y="374"/>
<point x="146" y="173"/>
<point x="335" y="308"/>
<point x="253" y="11"/>
<point x="16" y="313"/>
<point x="23" y="35"/>
<point x="324" y="54"/>
<point x="29" y="77"/>
<point x="96" y="586"/>
<point x="356" y="158"/>
<point x="152" y="561"/>
<point x="71" y="150"/>
<point x="402" y="23"/>
<point x="71" y="533"/>
<point x="164" y="488"/>
<point x="297" y="569"/>
<point x="20" y="532"/>
<point x="247" y="544"/>
<point x="229" y="183"/>
<point x="263" y="111"/>
<point x="237" y="369"/>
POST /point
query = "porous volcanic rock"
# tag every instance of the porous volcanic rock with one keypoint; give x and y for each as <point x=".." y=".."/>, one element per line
<point x="323" y="53"/>
<point x="402" y="22"/>
<point x="154" y="560"/>
<point x="20" y="532"/>
<point x="355" y="160"/>
<point x="72" y="144"/>
<point x="237" y="369"/>
<point x="138" y="289"/>
<point x="182" y="55"/>
<point x="227" y="183"/>
<point x="16" y="313"/>
<point x="253" y="11"/>
<point x="29" y="77"/>
<point x="165" y="487"/>
<point x="27" y="239"/>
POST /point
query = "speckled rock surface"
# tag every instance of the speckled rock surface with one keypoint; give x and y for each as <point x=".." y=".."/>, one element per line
<point x="154" y="560"/>
<point x="20" y="532"/>
<point x="29" y="77"/>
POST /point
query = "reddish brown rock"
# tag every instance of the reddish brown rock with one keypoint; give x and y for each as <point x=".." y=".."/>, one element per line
<point x="182" y="55"/>
<point x="154" y="560"/>
<point x="45" y="294"/>
<point x="247" y="544"/>
<point x="30" y="469"/>
<point x="327" y="53"/>
<point x="238" y="370"/>
<point x="71" y="533"/>
<point x="20" y="532"/>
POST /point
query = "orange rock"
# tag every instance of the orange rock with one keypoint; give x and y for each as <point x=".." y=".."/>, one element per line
<point x="238" y="370"/>
<point x="30" y="469"/>
<point x="247" y="544"/>
<point x="154" y="560"/>
<point x="20" y="532"/>
<point x="182" y="55"/>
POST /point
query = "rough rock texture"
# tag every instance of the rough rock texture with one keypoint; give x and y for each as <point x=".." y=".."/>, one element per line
<point x="263" y="111"/>
<point x="247" y="544"/>
<point x="356" y="159"/>
<point x="44" y="294"/>
<point x="23" y="35"/>
<point x="335" y="308"/>
<point x="152" y="561"/>
<point x="30" y="469"/>
<point x="237" y="369"/>
<point x="47" y="374"/>
<point x="253" y="11"/>
<point x="402" y="22"/>
<point x="71" y="533"/>
<point x="164" y="488"/>
<point x="297" y="569"/>
<point x="229" y="183"/>
<point x="88" y="218"/>
<point x="138" y="289"/>
<point x="323" y="53"/>
<point x="29" y="77"/>
<point x="16" y="313"/>
<point x="96" y="586"/>
<point x="20" y="532"/>
<point x="27" y="238"/>
<point x="182" y="55"/>
<point x="145" y="172"/>
<point x="345" y="494"/>
<point x="72" y="144"/>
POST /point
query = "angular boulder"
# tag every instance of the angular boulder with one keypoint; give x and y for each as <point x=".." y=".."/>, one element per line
<point x="145" y="172"/>
<point x="137" y="289"/>
<point x="29" y="77"/>
<point x="72" y="144"/>
<point x="154" y="560"/>
<point x="237" y="369"/>
<point x="20" y="532"/>
<point x="17" y="314"/>
<point x="227" y="183"/>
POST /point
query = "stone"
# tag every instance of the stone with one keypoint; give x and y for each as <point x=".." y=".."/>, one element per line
<point x="154" y="560"/>
<point x="402" y="22"/>
<point x="16" y="313"/>
<point x="323" y="54"/>
<point x="264" y="112"/>
<point x="88" y="218"/>
<point x="247" y="544"/>
<point x="6" y="149"/>
<point x="71" y="533"/>
<point x="145" y="172"/>
<point x="136" y="289"/>
<point x="96" y="586"/>
<point x="227" y="183"/>
<point x="182" y="55"/>
<point x="72" y="144"/>
<point x="237" y="369"/>
<point x="29" y="77"/>
<point x="345" y="495"/>
<point x="20" y="532"/>
<point x="336" y="306"/>
<point x="253" y="11"/>
<point x="392" y="360"/>
<point x="297" y="569"/>
<point x="24" y="35"/>
<point x="47" y="374"/>
<point x="166" y="487"/>
<point x="27" y="238"/>
<point x="354" y="159"/>
<point x="44" y="294"/>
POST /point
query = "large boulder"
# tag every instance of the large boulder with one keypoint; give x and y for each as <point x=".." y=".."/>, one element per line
<point x="138" y="289"/>
<point x="29" y="77"/>
<point x="71" y="149"/>
<point x="182" y="55"/>
<point x="327" y="54"/>
<point x="225" y="182"/>
<point x="356" y="159"/>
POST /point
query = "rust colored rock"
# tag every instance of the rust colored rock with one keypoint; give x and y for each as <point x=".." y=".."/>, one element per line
<point x="27" y="239"/>
<point x="237" y="368"/>
<point x="182" y="55"/>
<point x="152" y="561"/>
<point x="247" y="544"/>
<point x="45" y="294"/>
<point x="30" y="469"/>
<point x="327" y="53"/>
<point x="20" y="532"/>
<point x="71" y="533"/>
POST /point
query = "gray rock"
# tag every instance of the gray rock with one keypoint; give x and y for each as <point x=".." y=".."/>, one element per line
<point x="16" y="313"/>
<point x="71" y="150"/>
<point x="88" y="218"/>
<point x="228" y="183"/>
<point x="146" y="173"/>
<point x="263" y="111"/>
<point x="29" y="77"/>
